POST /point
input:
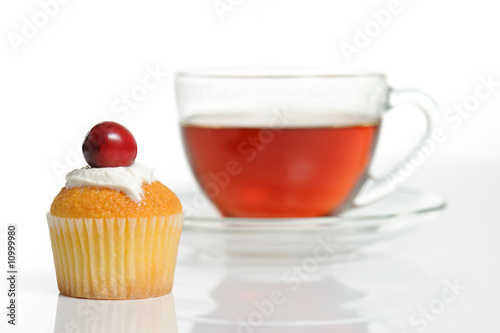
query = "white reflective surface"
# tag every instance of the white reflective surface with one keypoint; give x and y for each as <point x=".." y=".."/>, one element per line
<point x="376" y="290"/>
<point x="259" y="293"/>
<point x="153" y="315"/>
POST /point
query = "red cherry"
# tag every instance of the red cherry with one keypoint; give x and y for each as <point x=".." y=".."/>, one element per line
<point x="109" y="144"/>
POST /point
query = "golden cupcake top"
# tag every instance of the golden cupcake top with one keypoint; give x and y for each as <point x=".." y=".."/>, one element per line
<point x="113" y="185"/>
<point x="102" y="202"/>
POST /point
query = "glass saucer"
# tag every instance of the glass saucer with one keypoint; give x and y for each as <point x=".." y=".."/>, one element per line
<point x="401" y="212"/>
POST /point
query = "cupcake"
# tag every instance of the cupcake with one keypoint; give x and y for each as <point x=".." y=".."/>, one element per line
<point x="114" y="228"/>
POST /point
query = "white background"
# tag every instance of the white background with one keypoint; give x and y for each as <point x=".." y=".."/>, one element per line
<point x="66" y="77"/>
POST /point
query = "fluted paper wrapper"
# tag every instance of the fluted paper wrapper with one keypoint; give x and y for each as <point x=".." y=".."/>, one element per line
<point x="115" y="258"/>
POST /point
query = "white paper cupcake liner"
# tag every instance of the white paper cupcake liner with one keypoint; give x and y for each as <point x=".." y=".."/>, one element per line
<point x="115" y="258"/>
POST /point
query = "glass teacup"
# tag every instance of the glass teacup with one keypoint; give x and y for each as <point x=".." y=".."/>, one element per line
<point x="288" y="143"/>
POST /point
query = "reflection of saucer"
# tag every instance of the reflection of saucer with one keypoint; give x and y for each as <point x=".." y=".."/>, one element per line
<point x="402" y="211"/>
<point x="153" y="315"/>
<point x="225" y="294"/>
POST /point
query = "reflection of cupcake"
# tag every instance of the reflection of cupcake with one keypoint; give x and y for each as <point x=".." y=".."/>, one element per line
<point x="154" y="315"/>
<point x="114" y="229"/>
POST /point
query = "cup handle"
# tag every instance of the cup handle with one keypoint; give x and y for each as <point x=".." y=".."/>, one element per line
<point x="375" y="188"/>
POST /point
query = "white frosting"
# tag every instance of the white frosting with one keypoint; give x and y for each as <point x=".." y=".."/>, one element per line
<point x="127" y="179"/>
